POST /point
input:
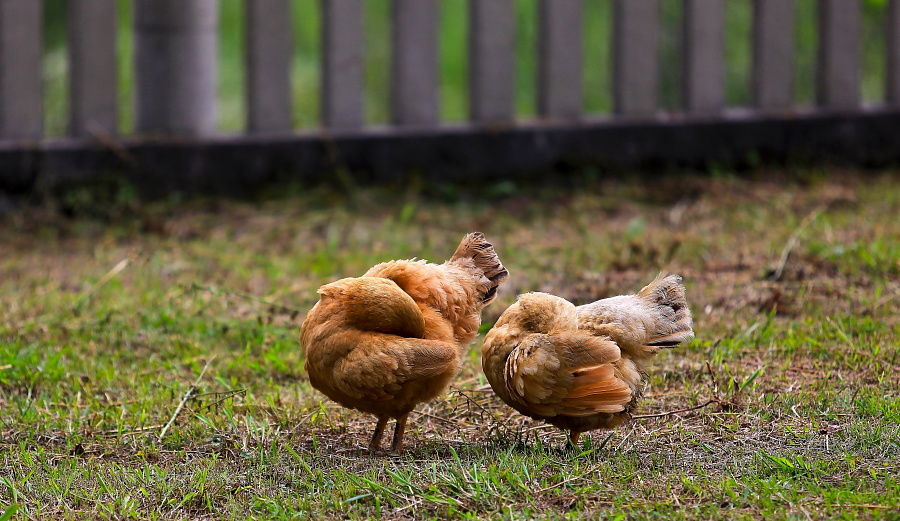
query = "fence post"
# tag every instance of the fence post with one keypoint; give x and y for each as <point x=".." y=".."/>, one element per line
<point x="892" y="41"/>
<point x="21" y="69"/>
<point x="93" y="73"/>
<point x="343" y="60"/>
<point x="176" y="66"/>
<point x="560" y="59"/>
<point x="414" y="62"/>
<point x="492" y="48"/>
<point x="636" y="57"/>
<point x="838" y="73"/>
<point x="773" y="54"/>
<point x="268" y="65"/>
<point x="704" y="56"/>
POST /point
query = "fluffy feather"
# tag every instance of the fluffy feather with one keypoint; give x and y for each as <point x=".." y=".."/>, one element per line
<point x="581" y="368"/>
<point x="395" y="337"/>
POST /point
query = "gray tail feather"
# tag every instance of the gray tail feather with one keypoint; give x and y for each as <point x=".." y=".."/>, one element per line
<point x="673" y="325"/>
<point x="478" y="255"/>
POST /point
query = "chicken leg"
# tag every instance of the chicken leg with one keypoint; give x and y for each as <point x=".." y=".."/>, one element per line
<point x="573" y="437"/>
<point x="375" y="444"/>
<point x="399" y="429"/>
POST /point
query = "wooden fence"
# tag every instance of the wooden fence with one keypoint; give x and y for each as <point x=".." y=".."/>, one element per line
<point x="176" y="145"/>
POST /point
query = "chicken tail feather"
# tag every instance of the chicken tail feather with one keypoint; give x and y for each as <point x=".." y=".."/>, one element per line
<point x="665" y="295"/>
<point x="477" y="255"/>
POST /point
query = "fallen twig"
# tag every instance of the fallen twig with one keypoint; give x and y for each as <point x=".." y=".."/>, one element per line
<point x="438" y="418"/>
<point x="792" y="241"/>
<point x="187" y="396"/>
<point x="662" y="414"/>
<point x="103" y="280"/>
<point x="715" y="399"/>
<point x="127" y="432"/>
<point x="712" y="376"/>
<point x="470" y="400"/>
<point x="227" y="396"/>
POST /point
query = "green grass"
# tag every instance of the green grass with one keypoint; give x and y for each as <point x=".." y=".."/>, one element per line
<point x="111" y="312"/>
<point x="453" y="57"/>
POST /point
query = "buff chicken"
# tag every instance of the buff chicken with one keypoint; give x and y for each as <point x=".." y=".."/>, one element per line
<point x="582" y="368"/>
<point x="395" y="337"/>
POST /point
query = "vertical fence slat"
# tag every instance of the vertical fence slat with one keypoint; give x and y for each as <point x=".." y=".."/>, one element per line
<point x="773" y="54"/>
<point x="21" y="67"/>
<point x="704" y="56"/>
<point x="268" y="65"/>
<point x="176" y="66"/>
<point x="560" y="59"/>
<point x="492" y="47"/>
<point x="93" y="75"/>
<point x="636" y="57"/>
<point x="414" y="63"/>
<point x="343" y="60"/>
<point x="838" y="73"/>
<point x="892" y="41"/>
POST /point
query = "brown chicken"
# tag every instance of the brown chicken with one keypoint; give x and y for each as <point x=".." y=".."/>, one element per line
<point x="393" y="338"/>
<point x="581" y="368"/>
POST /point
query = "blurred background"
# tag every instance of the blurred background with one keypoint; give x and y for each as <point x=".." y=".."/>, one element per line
<point x="597" y="19"/>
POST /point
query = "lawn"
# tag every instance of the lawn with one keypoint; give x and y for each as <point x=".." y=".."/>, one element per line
<point x="785" y="406"/>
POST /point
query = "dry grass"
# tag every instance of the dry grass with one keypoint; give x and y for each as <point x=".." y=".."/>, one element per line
<point x="111" y="314"/>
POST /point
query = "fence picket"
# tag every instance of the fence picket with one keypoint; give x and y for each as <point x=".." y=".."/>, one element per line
<point x="704" y="56"/>
<point x="492" y="46"/>
<point x="343" y="59"/>
<point x="636" y="57"/>
<point x="414" y="62"/>
<point x="93" y="76"/>
<point x="892" y="41"/>
<point x="773" y="54"/>
<point x="560" y="59"/>
<point x="21" y="69"/>
<point x="838" y="72"/>
<point x="268" y="65"/>
<point x="176" y="66"/>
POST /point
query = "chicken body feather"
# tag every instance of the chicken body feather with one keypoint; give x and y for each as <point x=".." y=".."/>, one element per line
<point x="581" y="368"/>
<point x="395" y="337"/>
